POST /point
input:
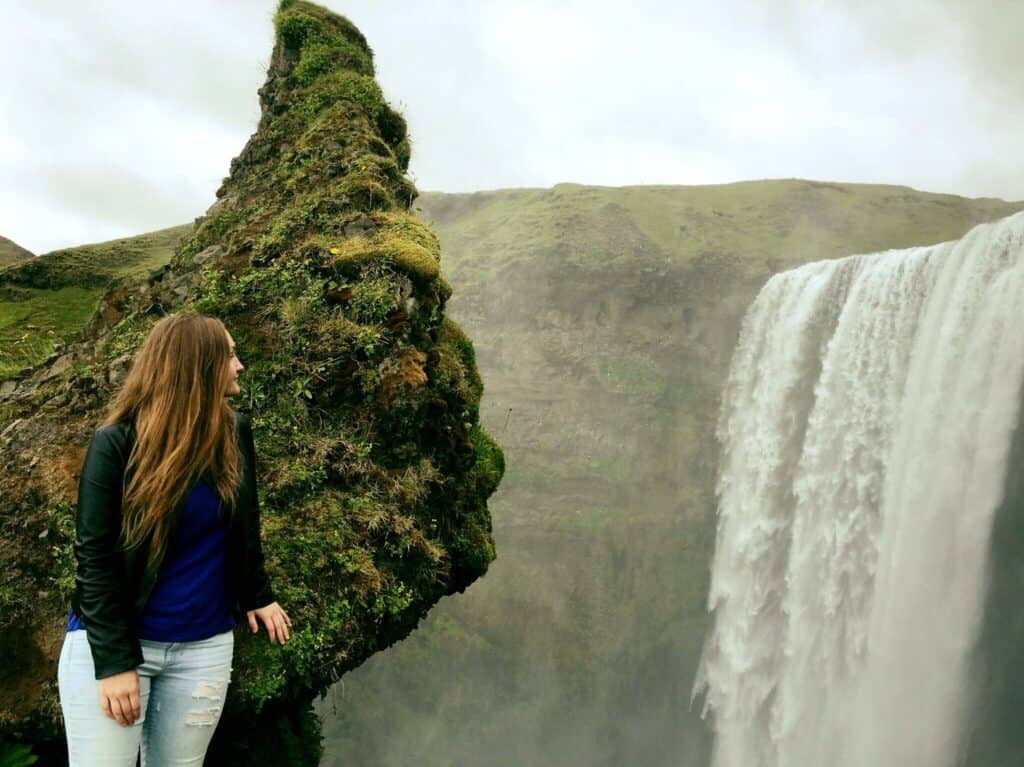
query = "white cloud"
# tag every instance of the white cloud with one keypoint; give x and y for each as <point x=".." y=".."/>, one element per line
<point x="123" y="117"/>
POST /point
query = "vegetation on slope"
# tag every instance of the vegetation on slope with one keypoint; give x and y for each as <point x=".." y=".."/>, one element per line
<point x="12" y="253"/>
<point x="46" y="301"/>
<point x="771" y="225"/>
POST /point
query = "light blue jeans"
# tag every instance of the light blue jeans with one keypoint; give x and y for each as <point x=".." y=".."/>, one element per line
<point x="181" y="690"/>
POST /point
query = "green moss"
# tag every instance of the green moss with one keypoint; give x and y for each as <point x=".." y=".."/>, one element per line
<point x="365" y="188"/>
<point x="405" y="243"/>
<point x="319" y="58"/>
<point x="348" y="86"/>
<point x="453" y="336"/>
<point x="410" y="227"/>
<point x="403" y="153"/>
<point x="128" y="334"/>
<point x="301" y="23"/>
<point x="373" y="299"/>
<point x="393" y="128"/>
<point x="489" y="466"/>
<point x="221" y="292"/>
<point x="212" y="230"/>
<point x="292" y="221"/>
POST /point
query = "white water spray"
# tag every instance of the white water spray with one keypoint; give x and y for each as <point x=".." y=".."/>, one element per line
<point x="865" y="428"/>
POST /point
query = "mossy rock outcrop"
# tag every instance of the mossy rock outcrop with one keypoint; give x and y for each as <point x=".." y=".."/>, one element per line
<point x="374" y="471"/>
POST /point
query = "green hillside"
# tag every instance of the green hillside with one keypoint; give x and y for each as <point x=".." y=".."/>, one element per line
<point x="47" y="299"/>
<point x="12" y="253"/>
<point x="770" y="224"/>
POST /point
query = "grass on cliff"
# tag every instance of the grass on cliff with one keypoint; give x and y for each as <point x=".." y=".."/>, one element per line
<point x="48" y="298"/>
<point x="12" y="253"/>
<point x="30" y="327"/>
<point x="769" y="225"/>
<point x="98" y="265"/>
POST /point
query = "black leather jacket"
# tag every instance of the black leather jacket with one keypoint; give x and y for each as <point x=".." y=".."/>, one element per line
<point x="111" y="583"/>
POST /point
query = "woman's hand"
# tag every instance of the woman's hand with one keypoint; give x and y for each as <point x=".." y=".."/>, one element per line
<point x="119" y="697"/>
<point x="275" y="619"/>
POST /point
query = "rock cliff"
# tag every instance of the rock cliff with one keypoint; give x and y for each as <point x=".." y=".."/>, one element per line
<point x="375" y="472"/>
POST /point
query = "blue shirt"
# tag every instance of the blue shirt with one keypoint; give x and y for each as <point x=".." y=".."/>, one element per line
<point x="191" y="599"/>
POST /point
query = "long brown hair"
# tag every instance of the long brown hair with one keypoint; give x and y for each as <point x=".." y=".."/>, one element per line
<point x="184" y="425"/>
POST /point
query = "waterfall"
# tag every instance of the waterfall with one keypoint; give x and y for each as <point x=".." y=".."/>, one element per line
<point x="865" y="430"/>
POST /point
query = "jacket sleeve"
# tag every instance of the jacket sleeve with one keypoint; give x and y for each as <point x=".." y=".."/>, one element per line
<point x="256" y="590"/>
<point x="99" y="578"/>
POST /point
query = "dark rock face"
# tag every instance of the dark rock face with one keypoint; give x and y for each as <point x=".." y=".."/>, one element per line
<point x="374" y="473"/>
<point x="994" y="735"/>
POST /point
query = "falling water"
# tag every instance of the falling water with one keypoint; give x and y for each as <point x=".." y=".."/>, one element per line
<point x="865" y="427"/>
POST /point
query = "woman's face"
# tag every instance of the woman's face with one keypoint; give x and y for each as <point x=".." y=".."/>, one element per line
<point x="236" y="367"/>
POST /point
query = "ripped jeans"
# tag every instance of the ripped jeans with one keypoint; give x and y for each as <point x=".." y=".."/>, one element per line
<point x="181" y="689"/>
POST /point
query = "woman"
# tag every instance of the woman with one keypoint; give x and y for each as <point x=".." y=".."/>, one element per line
<point x="168" y="551"/>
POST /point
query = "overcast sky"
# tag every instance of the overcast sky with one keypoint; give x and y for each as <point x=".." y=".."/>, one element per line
<point x="119" y="117"/>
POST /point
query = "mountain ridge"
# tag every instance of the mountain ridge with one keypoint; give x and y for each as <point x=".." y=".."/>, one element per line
<point x="12" y="253"/>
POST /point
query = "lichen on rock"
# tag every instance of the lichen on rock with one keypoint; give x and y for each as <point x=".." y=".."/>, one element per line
<point x="374" y="470"/>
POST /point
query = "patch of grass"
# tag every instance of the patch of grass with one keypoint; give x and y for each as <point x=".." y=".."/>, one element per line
<point x="16" y="754"/>
<point x="386" y="246"/>
<point x="12" y="253"/>
<point x="98" y="265"/>
<point x="766" y="225"/>
<point x="29" y="328"/>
